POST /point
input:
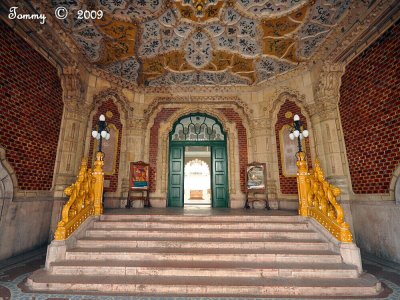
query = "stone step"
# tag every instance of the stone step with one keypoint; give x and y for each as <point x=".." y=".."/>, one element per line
<point x="206" y="254"/>
<point x="201" y="268"/>
<point x="204" y="243"/>
<point x="204" y="218"/>
<point x="201" y="233"/>
<point x="203" y="225"/>
<point x="206" y="286"/>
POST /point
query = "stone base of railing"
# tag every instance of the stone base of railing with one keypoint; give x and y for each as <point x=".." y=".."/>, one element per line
<point x="349" y="251"/>
<point x="56" y="251"/>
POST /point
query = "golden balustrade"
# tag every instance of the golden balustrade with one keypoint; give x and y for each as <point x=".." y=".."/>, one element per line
<point x="85" y="198"/>
<point x="317" y="199"/>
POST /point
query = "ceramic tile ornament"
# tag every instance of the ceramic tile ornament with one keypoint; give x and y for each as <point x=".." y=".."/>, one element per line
<point x="265" y="38"/>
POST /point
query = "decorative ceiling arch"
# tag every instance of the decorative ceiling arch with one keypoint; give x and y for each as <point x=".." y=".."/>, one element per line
<point x="117" y="96"/>
<point x="214" y="42"/>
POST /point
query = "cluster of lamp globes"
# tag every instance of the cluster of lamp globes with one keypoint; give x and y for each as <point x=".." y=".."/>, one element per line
<point x="296" y="132"/>
<point x="103" y="133"/>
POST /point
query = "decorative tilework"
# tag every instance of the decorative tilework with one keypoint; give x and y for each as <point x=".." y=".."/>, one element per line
<point x="155" y="30"/>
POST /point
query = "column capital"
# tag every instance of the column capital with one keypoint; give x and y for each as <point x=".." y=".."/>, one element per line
<point x="324" y="110"/>
<point x="72" y="87"/>
<point x="327" y="89"/>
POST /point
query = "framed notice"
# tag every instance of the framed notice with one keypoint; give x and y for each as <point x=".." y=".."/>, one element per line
<point x="255" y="177"/>
<point x="139" y="176"/>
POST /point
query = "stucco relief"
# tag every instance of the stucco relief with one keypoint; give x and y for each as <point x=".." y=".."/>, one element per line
<point x="224" y="100"/>
<point x="362" y="18"/>
<point x="280" y="96"/>
<point x="118" y="97"/>
<point x="327" y="89"/>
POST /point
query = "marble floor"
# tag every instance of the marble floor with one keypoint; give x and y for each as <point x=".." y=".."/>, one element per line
<point x="14" y="271"/>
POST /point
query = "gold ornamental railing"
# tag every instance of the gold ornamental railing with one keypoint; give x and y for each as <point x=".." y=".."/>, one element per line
<point x="85" y="198"/>
<point x="317" y="199"/>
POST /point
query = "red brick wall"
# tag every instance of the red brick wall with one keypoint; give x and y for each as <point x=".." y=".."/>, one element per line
<point x="108" y="105"/>
<point x="370" y="113"/>
<point x="31" y="110"/>
<point x="231" y="115"/>
<point x="288" y="184"/>
<point x="165" y="113"/>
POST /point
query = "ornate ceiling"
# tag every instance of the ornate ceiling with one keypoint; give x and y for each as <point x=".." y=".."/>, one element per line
<point x="243" y="42"/>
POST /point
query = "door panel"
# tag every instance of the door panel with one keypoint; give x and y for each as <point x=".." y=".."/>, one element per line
<point x="219" y="176"/>
<point x="176" y="176"/>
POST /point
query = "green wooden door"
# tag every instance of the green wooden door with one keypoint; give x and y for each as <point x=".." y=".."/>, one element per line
<point x="176" y="176"/>
<point x="219" y="181"/>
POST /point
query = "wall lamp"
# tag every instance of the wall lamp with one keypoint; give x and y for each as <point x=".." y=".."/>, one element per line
<point x="298" y="132"/>
<point x="101" y="131"/>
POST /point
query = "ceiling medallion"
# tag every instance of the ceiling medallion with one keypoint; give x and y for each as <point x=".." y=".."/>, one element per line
<point x="200" y="7"/>
<point x="201" y="42"/>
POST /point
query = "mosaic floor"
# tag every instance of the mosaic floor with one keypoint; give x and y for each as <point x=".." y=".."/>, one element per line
<point x="14" y="271"/>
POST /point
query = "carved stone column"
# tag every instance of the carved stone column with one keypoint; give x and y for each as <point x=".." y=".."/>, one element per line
<point x="72" y="132"/>
<point x="134" y="152"/>
<point x="328" y="133"/>
<point x="262" y="149"/>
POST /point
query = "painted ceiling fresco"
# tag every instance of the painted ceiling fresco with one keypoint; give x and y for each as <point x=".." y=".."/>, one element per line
<point x="192" y="42"/>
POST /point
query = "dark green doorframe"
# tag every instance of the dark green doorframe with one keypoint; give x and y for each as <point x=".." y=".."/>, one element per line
<point x="219" y="160"/>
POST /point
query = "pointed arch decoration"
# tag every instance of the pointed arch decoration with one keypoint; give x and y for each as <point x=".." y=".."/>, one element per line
<point x="197" y="127"/>
<point x="283" y="118"/>
<point x="112" y="147"/>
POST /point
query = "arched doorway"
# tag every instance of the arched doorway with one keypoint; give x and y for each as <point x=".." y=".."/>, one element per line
<point x="197" y="136"/>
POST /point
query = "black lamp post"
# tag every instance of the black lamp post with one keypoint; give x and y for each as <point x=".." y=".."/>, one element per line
<point x="101" y="131"/>
<point x="298" y="132"/>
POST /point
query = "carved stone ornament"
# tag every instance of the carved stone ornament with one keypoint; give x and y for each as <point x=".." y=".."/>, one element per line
<point x="363" y="17"/>
<point x="136" y="123"/>
<point x="260" y="124"/>
<point x="116" y="94"/>
<point x="329" y="83"/>
<point x="280" y="96"/>
<point x="42" y="37"/>
<point x="71" y="84"/>
<point x="325" y="110"/>
<point x="200" y="100"/>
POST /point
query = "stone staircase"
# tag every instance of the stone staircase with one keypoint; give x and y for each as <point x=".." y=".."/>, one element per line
<point x="204" y="255"/>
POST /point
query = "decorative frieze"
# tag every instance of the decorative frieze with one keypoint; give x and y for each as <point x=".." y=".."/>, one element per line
<point x="199" y="100"/>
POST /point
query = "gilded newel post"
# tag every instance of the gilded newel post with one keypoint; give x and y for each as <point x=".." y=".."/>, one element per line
<point x="302" y="183"/>
<point x="98" y="174"/>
